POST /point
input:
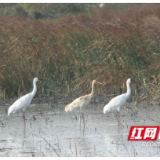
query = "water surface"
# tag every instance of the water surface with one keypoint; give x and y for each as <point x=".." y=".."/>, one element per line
<point x="49" y="131"/>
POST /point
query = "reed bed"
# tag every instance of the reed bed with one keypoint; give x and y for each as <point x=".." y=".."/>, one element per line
<point x="70" y="52"/>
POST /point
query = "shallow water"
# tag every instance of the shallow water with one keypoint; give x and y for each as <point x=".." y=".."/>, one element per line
<point x="49" y="131"/>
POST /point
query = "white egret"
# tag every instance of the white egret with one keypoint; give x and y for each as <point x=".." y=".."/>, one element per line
<point x="118" y="101"/>
<point x="24" y="101"/>
<point x="81" y="101"/>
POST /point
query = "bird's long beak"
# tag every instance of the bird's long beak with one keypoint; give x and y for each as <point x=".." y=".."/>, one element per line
<point x="99" y="83"/>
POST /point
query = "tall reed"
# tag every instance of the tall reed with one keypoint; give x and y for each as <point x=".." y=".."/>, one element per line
<point x="70" y="52"/>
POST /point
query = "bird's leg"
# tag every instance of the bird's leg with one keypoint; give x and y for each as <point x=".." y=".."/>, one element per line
<point x="24" y="125"/>
<point x="83" y="123"/>
<point x="115" y="115"/>
<point x="80" y="120"/>
<point x="24" y="119"/>
<point x="74" y="115"/>
<point x="118" y="119"/>
<point x="83" y="120"/>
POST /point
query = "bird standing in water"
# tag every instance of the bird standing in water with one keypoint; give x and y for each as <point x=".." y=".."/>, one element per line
<point x="24" y="101"/>
<point x="117" y="102"/>
<point x="81" y="101"/>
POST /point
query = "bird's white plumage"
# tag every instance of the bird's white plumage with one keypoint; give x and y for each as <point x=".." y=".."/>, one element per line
<point x="24" y="101"/>
<point x="117" y="102"/>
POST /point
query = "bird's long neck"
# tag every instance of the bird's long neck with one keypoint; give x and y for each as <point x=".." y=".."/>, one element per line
<point x="128" y="90"/>
<point x="92" y="92"/>
<point x="34" y="89"/>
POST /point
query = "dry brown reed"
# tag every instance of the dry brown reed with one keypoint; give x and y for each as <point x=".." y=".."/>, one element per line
<point x="70" y="52"/>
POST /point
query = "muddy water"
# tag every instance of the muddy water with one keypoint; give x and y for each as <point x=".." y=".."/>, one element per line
<point x="49" y="131"/>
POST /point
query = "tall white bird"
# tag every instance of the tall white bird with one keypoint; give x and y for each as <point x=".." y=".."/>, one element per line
<point x="117" y="102"/>
<point x="24" y="101"/>
<point x="81" y="101"/>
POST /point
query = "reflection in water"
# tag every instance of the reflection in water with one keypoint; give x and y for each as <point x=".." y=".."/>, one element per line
<point x="111" y="142"/>
<point x="117" y="145"/>
<point x="75" y="146"/>
<point x="51" y="132"/>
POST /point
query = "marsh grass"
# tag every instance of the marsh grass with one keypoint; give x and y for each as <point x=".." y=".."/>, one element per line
<point x="70" y="52"/>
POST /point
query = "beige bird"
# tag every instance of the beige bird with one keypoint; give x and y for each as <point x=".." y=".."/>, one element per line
<point x="82" y="101"/>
